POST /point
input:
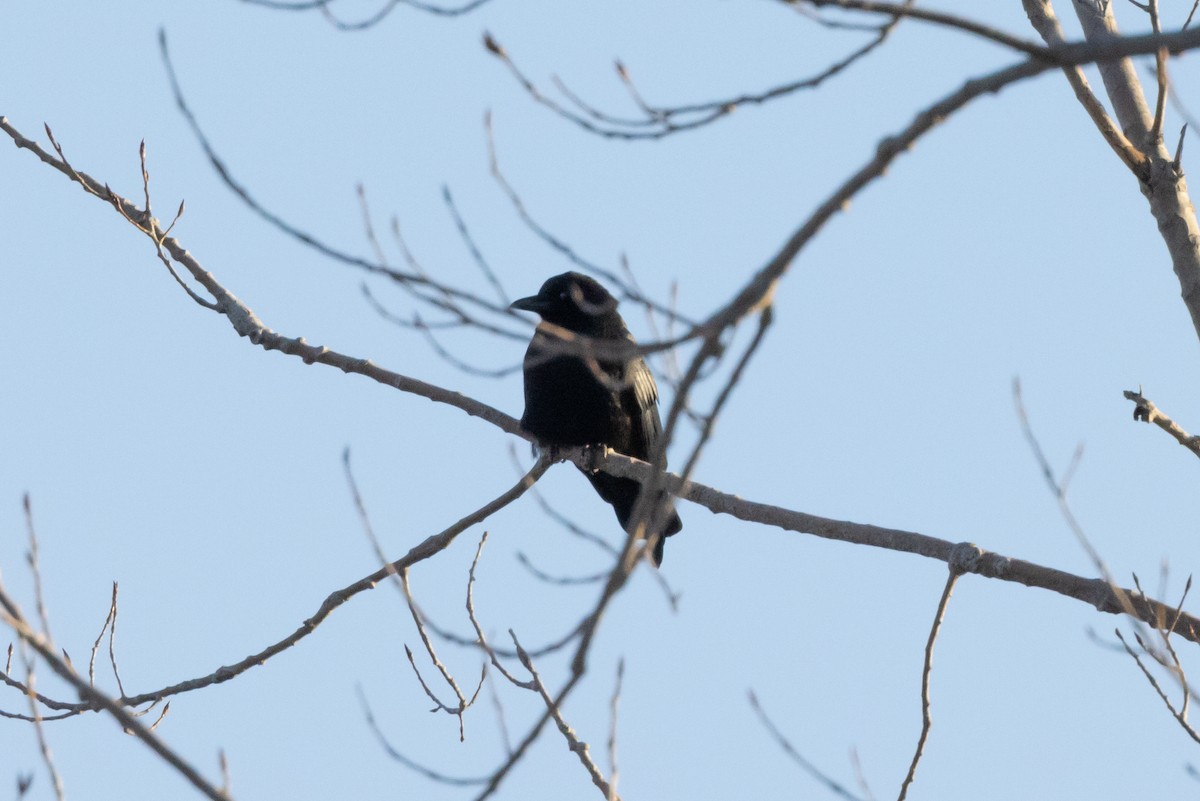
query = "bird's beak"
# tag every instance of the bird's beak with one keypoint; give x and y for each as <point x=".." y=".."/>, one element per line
<point x="532" y="303"/>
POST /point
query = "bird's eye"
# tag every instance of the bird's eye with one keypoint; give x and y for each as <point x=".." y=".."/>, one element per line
<point x="564" y="295"/>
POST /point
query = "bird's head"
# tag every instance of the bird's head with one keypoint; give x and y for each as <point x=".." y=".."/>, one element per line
<point x="573" y="301"/>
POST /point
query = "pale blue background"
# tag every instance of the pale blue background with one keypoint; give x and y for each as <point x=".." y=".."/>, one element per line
<point x="205" y="475"/>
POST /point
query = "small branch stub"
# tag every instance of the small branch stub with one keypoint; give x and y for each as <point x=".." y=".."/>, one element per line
<point x="1146" y="411"/>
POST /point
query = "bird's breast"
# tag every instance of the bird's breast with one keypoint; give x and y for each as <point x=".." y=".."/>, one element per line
<point x="566" y="403"/>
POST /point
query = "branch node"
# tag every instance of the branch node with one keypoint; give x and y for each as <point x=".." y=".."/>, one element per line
<point x="964" y="558"/>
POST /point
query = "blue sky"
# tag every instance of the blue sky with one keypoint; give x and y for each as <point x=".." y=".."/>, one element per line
<point x="205" y="475"/>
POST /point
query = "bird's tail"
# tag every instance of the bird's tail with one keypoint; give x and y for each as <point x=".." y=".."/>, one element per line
<point x="622" y="493"/>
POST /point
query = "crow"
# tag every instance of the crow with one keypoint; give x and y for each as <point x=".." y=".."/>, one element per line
<point x="567" y="403"/>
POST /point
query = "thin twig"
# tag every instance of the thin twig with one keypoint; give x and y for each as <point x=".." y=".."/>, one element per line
<point x="1160" y="61"/>
<point x="1179" y="717"/>
<point x="574" y="744"/>
<point x="437" y="662"/>
<point x="860" y="776"/>
<point x="112" y="650"/>
<point x="35" y="568"/>
<point x="400" y="578"/>
<point x="465" y="234"/>
<point x="625" y="288"/>
<point x="112" y="611"/>
<point x="501" y="721"/>
<point x="457" y="781"/>
<point x="560" y="581"/>
<point x="613" y="771"/>
<point x="834" y="786"/>
<point x="659" y="577"/>
<point x="481" y="639"/>
<point x="223" y="764"/>
<point x="372" y="20"/>
<point x="35" y="712"/>
<point x="494" y="781"/>
<point x="226" y="175"/>
<point x="1059" y="490"/>
<point x="926" y="718"/>
<point x="658" y="122"/>
<point x="12" y="617"/>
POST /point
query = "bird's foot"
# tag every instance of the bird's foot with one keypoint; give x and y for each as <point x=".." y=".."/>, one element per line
<point x="593" y="456"/>
<point x="555" y="453"/>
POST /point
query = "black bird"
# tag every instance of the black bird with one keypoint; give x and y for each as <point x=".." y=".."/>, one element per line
<point x="567" y="404"/>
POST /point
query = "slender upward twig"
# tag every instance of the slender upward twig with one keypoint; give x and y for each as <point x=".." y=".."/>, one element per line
<point x="1160" y="62"/>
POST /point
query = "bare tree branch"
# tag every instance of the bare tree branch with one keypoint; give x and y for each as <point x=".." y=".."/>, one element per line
<point x="554" y="707"/>
<point x="658" y="122"/>
<point x="625" y="289"/>
<point x="760" y="288"/>
<point x="343" y="257"/>
<point x="755" y="297"/>
<point x="400" y="580"/>
<point x="429" y="547"/>
<point x="1041" y="16"/>
<point x="11" y="615"/>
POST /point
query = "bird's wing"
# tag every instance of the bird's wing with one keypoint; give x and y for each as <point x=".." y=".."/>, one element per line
<point x="640" y="400"/>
